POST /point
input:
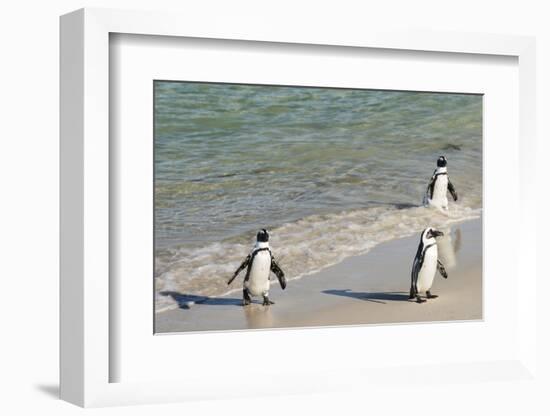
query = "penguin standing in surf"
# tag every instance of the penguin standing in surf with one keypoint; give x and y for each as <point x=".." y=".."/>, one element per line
<point x="436" y="193"/>
<point x="260" y="263"/>
<point x="425" y="265"/>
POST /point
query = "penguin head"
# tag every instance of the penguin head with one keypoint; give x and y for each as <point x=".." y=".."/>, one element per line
<point x="430" y="233"/>
<point x="441" y="162"/>
<point x="262" y="236"/>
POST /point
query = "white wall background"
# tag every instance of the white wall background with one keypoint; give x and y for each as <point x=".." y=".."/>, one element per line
<point x="29" y="196"/>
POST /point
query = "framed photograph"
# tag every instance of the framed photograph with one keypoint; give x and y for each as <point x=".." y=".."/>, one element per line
<point x="327" y="199"/>
<point x="324" y="189"/>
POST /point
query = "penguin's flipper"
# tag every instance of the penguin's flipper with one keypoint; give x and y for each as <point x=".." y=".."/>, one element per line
<point x="278" y="272"/>
<point x="452" y="190"/>
<point x="414" y="279"/>
<point x="441" y="269"/>
<point x="242" y="266"/>
<point x="417" y="265"/>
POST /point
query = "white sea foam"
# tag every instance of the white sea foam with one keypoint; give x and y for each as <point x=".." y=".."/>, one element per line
<point x="302" y="248"/>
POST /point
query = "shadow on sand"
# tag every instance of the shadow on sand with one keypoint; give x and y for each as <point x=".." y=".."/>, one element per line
<point x="185" y="300"/>
<point x="376" y="297"/>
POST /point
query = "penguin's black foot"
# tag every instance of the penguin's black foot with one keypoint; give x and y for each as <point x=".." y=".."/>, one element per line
<point x="430" y="296"/>
<point x="268" y="302"/>
<point x="411" y="295"/>
<point x="246" y="298"/>
<point x="420" y="300"/>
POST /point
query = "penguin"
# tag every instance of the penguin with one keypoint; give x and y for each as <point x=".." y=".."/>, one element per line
<point x="426" y="263"/>
<point x="436" y="192"/>
<point x="260" y="263"/>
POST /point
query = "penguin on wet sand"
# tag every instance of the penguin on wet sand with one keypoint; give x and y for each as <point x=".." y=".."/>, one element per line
<point x="260" y="263"/>
<point x="425" y="265"/>
<point x="436" y="192"/>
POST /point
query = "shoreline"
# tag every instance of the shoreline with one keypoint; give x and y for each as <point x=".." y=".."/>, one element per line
<point x="366" y="289"/>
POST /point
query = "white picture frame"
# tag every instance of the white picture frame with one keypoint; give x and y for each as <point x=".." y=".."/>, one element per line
<point x="85" y="211"/>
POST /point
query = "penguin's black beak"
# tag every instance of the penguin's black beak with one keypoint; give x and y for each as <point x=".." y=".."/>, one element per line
<point x="437" y="233"/>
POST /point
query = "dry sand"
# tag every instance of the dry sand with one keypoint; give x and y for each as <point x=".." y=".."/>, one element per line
<point x="367" y="289"/>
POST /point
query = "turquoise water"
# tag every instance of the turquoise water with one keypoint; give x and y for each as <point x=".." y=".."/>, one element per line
<point x="330" y="172"/>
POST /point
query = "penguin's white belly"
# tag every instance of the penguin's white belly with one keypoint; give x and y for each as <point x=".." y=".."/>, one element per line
<point x="427" y="272"/>
<point x="439" y="196"/>
<point x="258" y="279"/>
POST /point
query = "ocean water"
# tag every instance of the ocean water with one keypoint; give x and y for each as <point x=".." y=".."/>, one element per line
<point x="329" y="172"/>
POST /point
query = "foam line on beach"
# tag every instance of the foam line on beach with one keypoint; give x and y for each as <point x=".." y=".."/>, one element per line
<point x="303" y="248"/>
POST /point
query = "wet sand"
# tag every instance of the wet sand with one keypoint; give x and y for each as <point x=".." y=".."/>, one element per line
<point x="366" y="289"/>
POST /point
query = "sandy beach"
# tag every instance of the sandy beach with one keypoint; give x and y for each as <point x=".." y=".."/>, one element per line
<point x="366" y="289"/>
